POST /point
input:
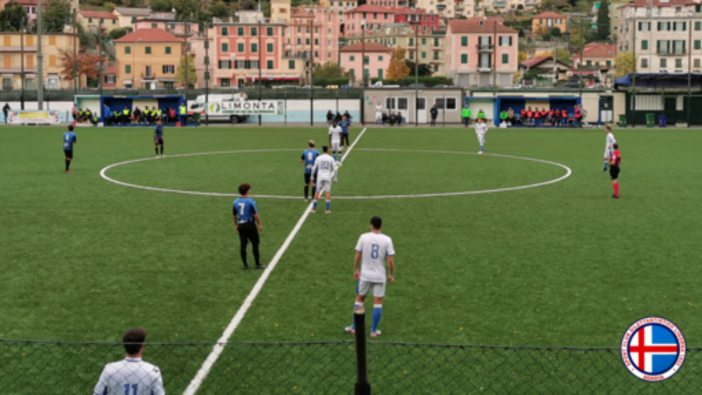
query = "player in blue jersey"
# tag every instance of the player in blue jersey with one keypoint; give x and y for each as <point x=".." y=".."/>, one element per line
<point x="308" y="157"/>
<point x="245" y="213"/>
<point x="69" y="138"/>
<point x="345" y="125"/>
<point x="158" y="137"/>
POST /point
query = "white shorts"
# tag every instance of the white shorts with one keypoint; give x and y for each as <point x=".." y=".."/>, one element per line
<point x="336" y="145"/>
<point x="608" y="153"/>
<point x="378" y="116"/>
<point x="365" y="286"/>
<point x="326" y="184"/>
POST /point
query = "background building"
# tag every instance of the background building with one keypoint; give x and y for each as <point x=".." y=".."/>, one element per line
<point x="127" y="16"/>
<point x="545" y="21"/>
<point x="376" y="59"/>
<point x="91" y="20"/>
<point x="148" y="59"/>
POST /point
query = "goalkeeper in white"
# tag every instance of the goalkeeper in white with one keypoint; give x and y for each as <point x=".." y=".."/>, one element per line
<point x="480" y="129"/>
<point x="609" y="147"/>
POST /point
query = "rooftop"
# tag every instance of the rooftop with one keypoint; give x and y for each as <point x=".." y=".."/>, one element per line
<point x="595" y="50"/>
<point x="134" y="11"/>
<point x="149" y="36"/>
<point x="367" y="47"/>
<point x="98" y="14"/>
<point x="479" y="25"/>
<point x="550" y="14"/>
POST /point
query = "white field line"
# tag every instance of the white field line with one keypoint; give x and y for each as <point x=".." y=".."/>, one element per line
<point x="239" y="316"/>
<point x="540" y="184"/>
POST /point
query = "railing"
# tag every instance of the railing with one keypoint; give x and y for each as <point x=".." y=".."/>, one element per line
<point x="671" y="52"/>
<point x="484" y="69"/>
<point x="485" y="47"/>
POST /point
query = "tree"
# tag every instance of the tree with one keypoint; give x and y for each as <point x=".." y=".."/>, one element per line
<point x="161" y="5"/>
<point x="116" y="34"/>
<point x="220" y="10"/>
<point x="110" y="6"/>
<point x="547" y="37"/>
<point x="522" y="56"/>
<point x="397" y="69"/>
<point x="603" y="21"/>
<point x="562" y="55"/>
<point x="555" y="32"/>
<point x="424" y="70"/>
<point x="329" y="70"/>
<point x="84" y="61"/>
<point x="624" y="64"/>
<point x="185" y="8"/>
<point x="11" y="17"/>
<point x="56" y="14"/>
<point x="180" y="74"/>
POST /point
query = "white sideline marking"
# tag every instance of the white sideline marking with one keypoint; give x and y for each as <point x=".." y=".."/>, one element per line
<point x="239" y="316"/>
<point x="540" y="184"/>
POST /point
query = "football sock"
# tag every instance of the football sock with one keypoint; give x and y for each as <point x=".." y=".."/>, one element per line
<point x="68" y="164"/>
<point x="328" y="203"/>
<point x="314" y="205"/>
<point x="605" y="165"/>
<point x="307" y="191"/>
<point x="257" y="255"/>
<point x="156" y="149"/>
<point x="377" y="313"/>
<point x="616" y="190"/>
<point x="481" y="147"/>
<point x="162" y="150"/>
<point x="243" y="254"/>
<point x="355" y="306"/>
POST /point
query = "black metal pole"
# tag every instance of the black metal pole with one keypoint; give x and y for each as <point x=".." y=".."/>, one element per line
<point x="259" y="70"/>
<point x="416" y="74"/>
<point x="22" y="60"/>
<point x="207" y="73"/>
<point x="362" y="385"/>
<point x="100" y="52"/>
<point x="311" y="72"/>
<point x="286" y="108"/>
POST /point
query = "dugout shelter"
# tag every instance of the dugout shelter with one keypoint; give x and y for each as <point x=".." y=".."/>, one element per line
<point x="117" y="103"/>
<point x="492" y="106"/>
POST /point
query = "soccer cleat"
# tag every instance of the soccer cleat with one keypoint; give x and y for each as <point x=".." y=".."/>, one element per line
<point x="327" y="212"/>
<point x="604" y="169"/>
<point x="615" y="197"/>
<point x="158" y="156"/>
<point x="376" y="333"/>
<point x="68" y="171"/>
<point x="349" y="329"/>
<point x="260" y="266"/>
<point x="312" y="211"/>
<point x="480" y="152"/>
<point x="246" y="267"/>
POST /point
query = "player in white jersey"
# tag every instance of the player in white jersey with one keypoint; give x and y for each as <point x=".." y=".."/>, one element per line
<point x="131" y="376"/>
<point x="324" y="170"/>
<point x="379" y="114"/>
<point x="609" y="150"/>
<point x="480" y="129"/>
<point x="335" y="133"/>
<point x="373" y="248"/>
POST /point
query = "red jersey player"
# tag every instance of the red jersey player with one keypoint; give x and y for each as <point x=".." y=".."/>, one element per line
<point x="614" y="161"/>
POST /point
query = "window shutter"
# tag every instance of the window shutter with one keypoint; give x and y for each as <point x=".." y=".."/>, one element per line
<point x="510" y="41"/>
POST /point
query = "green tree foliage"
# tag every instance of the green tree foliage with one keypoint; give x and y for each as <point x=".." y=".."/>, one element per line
<point x="109" y="6"/>
<point x="186" y="8"/>
<point x="11" y="17"/>
<point x="192" y="75"/>
<point x="220" y="10"/>
<point x="119" y="33"/>
<point x="603" y="21"/>
<point x="624" y="64"/>
<point x="555" y="32"/>
<point x="161" y="5"/>
<point x="57" y="14"/>
<point x="547" y="36"/>
<point x="329" y="70"/>
<point x="424" y="70"/>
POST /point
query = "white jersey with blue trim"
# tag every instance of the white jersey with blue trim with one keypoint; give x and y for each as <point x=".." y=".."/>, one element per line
<point x="335" y="133"/>
<point x="130" y="376"/>
<point x="609" y="148"/>
<point x="481" y="128"/>
<point x="323" y="168"/>
<point x="374" y="248"/>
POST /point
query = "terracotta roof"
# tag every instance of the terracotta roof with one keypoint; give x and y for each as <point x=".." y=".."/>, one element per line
<point x="98" y="14"/>
<point x="134" y="11"/>
<point x="388" y="10"/>
<point x="659" y="3"/>
<point x="298" y="13"/>
<point x="479" y="25"/>
<point x="533" y="62"/>
<point x="594" y="50"/>
<point x="149" y="36"/>
<point x="29" y="2"/>
<point x="549" y="14"/>
<point x="110" y="70"/>
<point x="367" y="47"/>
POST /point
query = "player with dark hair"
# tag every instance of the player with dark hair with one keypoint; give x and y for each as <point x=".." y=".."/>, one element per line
<point x="373" y="248"/>
<point x="131" y="375"/>
<point x="69" y="138"/>
<point x="308" y="157"/>
<point x="245" y="213"/>
<point x="323" y="171"/>
<point x="614" y="161"/>
<point x="158" y="137"/>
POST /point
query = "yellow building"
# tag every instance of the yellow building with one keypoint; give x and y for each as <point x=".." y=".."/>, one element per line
<point x="148" y="59"/>
<point x="12" y="54"/>
<point x="90" y="20"/>
<point x="280" y="11"/>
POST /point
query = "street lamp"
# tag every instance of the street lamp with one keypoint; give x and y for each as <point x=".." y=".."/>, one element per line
<point x="363" y="53"/>
<point x="415" y="24"/>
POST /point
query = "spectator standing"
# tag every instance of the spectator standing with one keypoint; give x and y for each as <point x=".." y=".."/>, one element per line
<point x="131" y="375"/>
<point x="330" y="117"/>
<point x="465" y="114"/>
<point x="6" y="110"/>
<point x="434" y="114"/>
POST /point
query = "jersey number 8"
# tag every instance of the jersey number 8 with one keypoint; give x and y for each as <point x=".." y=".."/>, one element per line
<point x="375" y="251"/>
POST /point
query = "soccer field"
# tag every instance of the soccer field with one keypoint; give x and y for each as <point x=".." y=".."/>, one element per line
<point x="562" y="264"/>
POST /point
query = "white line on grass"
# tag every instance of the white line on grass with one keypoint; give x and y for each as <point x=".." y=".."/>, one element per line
<point x="239" y="316"/>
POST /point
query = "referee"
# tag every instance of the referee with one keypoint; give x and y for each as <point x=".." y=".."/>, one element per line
<point x="245" y="213"/>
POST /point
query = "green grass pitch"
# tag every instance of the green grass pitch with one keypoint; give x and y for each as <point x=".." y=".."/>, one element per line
<point x="83" y="259"/>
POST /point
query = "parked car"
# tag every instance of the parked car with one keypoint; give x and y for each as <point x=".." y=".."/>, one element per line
<point x="443" y="86"/>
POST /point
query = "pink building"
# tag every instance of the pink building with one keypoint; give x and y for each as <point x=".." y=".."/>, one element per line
<point x="239" y="49"/>
<point x="376" y="62"/>
<point x="313" y="31"/>
<point x="173" y="27"/>
<point x="30" y="7"/>
<point x="375" y="16"/>
<point x="481" y="51"/>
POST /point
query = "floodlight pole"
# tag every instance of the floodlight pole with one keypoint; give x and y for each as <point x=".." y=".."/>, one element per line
<point x="260" y="66"/>
<point x="22" y="23"/>
<point x="689" y="72"/>
<point x="40" y="58"/>
<point x="99" y="51"/>
<point x="207" y="73"/>
<point x="416" y="73"/>
<point x="580" y="65"/>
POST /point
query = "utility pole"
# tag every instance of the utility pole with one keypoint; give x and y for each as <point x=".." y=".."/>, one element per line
<point x="689" y="71"/>
<point x="633" y="79"/>
<point x="312" y="71"/>
<point x="555" y="56"/>
<point x="75" y="58"/>
<point x="22" y="27"/>
<point x="40" y="58"/>
<point x="363" y="53"/>
<point x="260" y="66"/>
<point x="580" y="65"/>
<point x="416" y="73"/>
<point x="187" y="60"/>
<point x="494" y="58"/>
<point x="99" y="52"/>
<point x="207" y="73"/>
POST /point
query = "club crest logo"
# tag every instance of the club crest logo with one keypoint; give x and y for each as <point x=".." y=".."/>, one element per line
<point x="653" y="349"/>
<point x="215" y="108"/>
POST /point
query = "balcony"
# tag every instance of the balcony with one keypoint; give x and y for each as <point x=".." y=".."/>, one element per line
<point x="499" y="4"/>
<point x="459" y="7"/>
<point x="441" y="7"/>
<point x="671" y="52"/>
<point x="484" y="69"/>
<point x="485" y="48"/>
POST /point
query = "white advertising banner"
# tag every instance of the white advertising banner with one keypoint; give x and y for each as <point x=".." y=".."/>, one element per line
<point x="47" y="117"/>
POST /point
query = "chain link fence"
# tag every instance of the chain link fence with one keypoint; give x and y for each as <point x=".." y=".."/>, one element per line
<point x="28" y="367"/>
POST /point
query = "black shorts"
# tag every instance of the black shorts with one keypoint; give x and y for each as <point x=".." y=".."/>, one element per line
<point x="614" y="172"/>
<point x="308" y="176"/>
<point x="248" y="232"/>
<point x="68" y="153"/>
<point x="158" y="140"/>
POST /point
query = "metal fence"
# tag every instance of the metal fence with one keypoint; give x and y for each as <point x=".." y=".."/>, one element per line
<point x="29" y="367"/>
